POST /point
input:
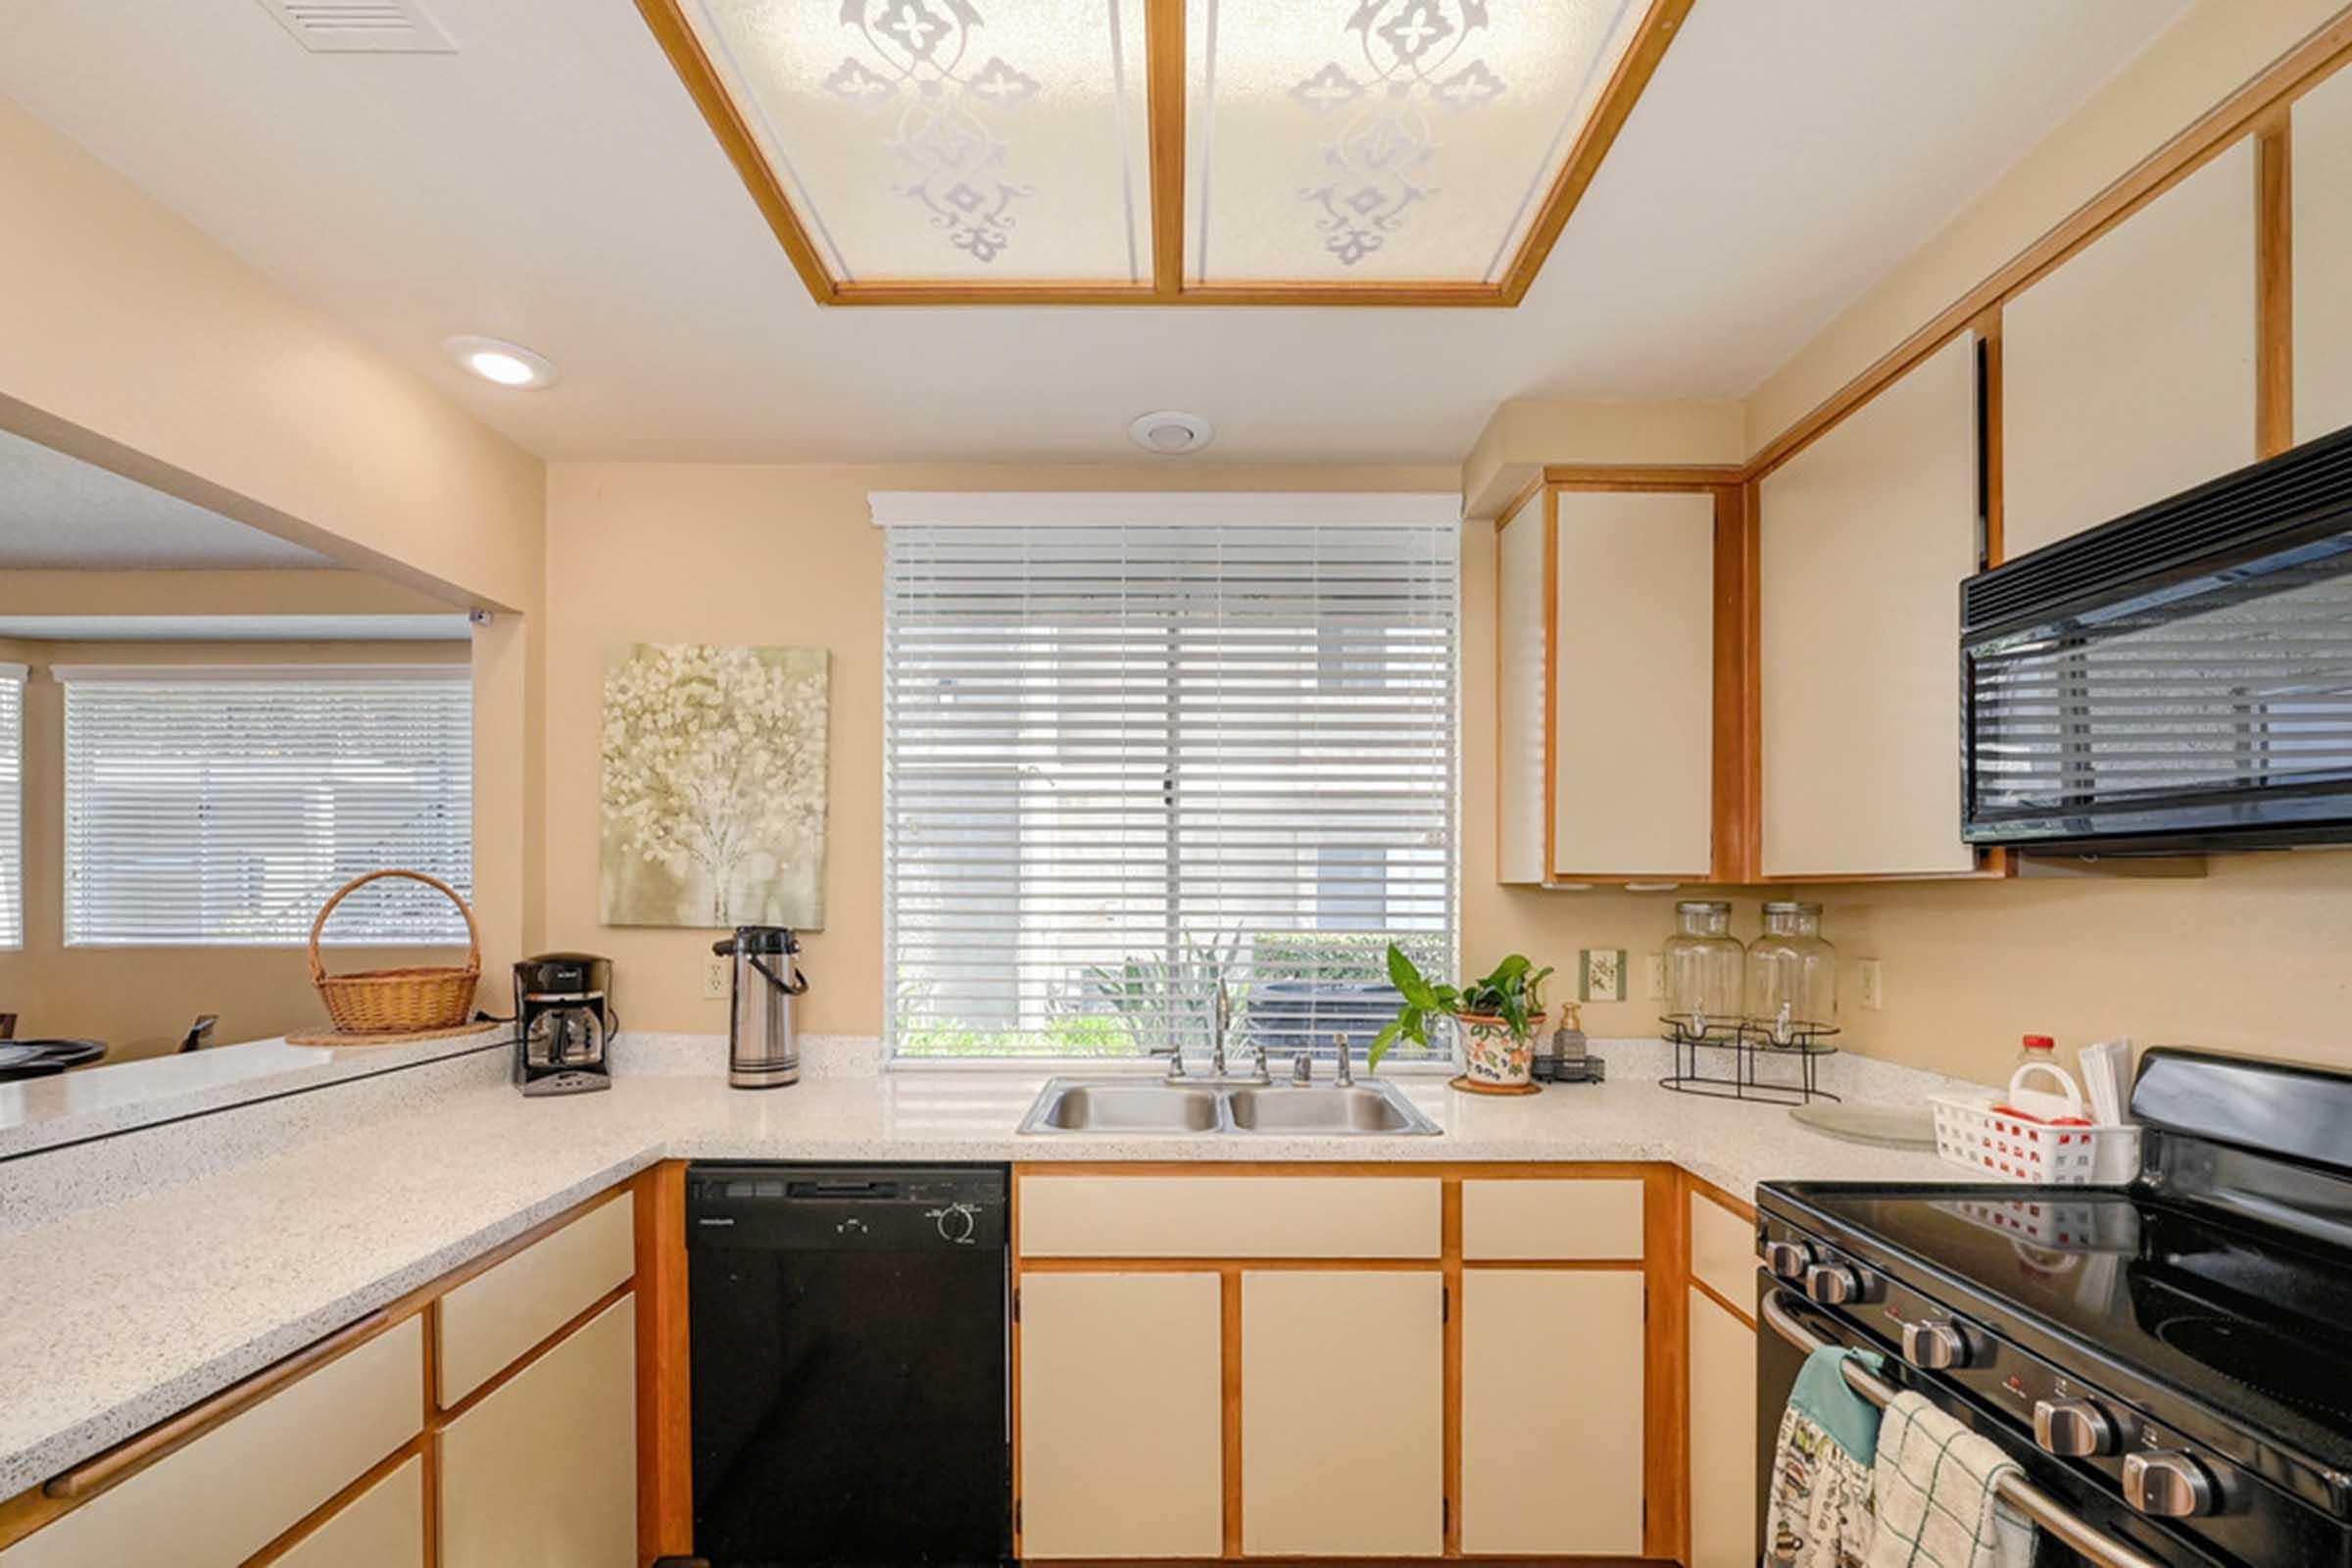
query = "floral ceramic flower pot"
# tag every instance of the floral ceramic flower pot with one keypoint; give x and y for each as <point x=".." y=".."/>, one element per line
<point x="1493" y="1056"/>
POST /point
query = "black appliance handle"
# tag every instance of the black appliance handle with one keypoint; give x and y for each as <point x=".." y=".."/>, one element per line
<point x="790" y="988"/>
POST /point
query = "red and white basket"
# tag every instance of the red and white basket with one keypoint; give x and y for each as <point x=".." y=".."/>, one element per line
<point x="2000" y="1143"/>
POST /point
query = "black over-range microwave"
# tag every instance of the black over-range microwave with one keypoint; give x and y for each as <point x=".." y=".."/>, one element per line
<point x="2180" y="678"/>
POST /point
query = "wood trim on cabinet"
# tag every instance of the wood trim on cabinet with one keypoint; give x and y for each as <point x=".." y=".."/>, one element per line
<point x="664" y="1389"/>
<point x="2275" y="287"/>
<point x="2198" y="143"/>
<point x="1229" y="1380"/>
<point x="1745" y="1314"/>
<point x="1551" y="678"/>
<point x="1737" y="758"/>
<point x="1666" y="1392"/>
<point x="1604" y="476"/>
<point x="1450" y="1254"/>
<point x="417" y="1448"/>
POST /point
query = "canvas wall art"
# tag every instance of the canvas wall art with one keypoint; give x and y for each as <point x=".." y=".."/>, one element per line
<point x="713" y="786"/>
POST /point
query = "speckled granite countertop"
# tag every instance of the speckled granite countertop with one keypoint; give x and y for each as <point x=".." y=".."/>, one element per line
<point x="127" y="1310"/>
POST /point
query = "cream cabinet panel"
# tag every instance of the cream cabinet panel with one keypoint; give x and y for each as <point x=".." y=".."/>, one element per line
<point x="1342" y="1413"/>
<point x="1552" y="1426"/>
<point x="1634" y="707"/>
<point x="1723" y="1438"/>
<point x="1722" y="1249"/>
<point x="488" y="1322"/>
<point x="1122" y="1425"/>
<point x="382" y="1526"/>
<point x="1542" y="1219"/>
<point x="2128" y="371"/>
<point x="1521" y="593"/>
<point x="246" y="1482"/>
<point x="1229" y="1217"/>
<point x="2323" y="256"/>
<point x="1865" y="537"/>
<point x="543" y="1472"/>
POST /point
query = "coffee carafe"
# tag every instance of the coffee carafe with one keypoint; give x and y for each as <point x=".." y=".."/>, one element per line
<point x="762" y="1053"/>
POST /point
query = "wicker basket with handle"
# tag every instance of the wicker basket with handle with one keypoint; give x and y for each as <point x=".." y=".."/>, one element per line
<point x="391" y="1001"/>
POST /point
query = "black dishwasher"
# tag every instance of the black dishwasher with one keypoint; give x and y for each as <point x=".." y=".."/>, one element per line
<point x="850" y="1364"/>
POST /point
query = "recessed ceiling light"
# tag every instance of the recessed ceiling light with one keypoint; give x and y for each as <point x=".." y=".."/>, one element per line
<point x="507" y="364"/>
<point x="1170" y="434"/>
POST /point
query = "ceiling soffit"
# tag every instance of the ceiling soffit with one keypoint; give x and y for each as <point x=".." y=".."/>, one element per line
<point x="1142" y="152"/>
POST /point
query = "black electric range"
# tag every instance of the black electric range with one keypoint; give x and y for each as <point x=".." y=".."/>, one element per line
<point x="2170" y="1362"/>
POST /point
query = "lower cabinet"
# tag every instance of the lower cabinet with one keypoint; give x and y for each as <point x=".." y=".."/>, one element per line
<point x="542" y="1471"/>
<point x="1121" y="1415"/>
<point x="1722" y="1436"/>
<point x="1342" y="1413"/>
<point x="1552" y="1424"/>
<point x="383" y="1527"/>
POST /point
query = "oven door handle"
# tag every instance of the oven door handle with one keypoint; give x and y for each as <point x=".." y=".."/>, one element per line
<point x="2014" y="1489"/>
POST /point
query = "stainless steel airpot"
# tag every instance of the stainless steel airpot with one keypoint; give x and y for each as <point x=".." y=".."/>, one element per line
<point x="762" y="1053"/>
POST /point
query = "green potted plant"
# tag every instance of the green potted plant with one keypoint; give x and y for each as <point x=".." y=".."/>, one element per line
<point x="1499" y="1017"/>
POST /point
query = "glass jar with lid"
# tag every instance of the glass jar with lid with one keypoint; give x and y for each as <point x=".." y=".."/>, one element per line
<point x="1703" y="961"/>
<point x="1791" y="976"/>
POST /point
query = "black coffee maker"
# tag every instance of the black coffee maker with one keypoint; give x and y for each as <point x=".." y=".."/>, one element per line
<point x="563" y="1022"/>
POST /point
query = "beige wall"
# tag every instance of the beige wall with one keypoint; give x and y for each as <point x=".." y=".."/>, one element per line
<point x="141" y="1001"/>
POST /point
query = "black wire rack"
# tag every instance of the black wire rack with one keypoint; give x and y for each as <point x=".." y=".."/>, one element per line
<point x="1743" y="1046"/>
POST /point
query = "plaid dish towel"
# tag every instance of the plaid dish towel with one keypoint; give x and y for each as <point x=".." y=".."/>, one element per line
<point x="1934" y="1486"/>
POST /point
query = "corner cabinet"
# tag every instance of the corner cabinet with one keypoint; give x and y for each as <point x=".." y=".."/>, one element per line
<point x="1721" y="1352"/>
<point x="1608" y="699"/>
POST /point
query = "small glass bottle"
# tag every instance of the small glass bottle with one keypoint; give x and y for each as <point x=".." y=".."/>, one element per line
<point x="1703" y="961"/>
<point x="1791" y="975"/>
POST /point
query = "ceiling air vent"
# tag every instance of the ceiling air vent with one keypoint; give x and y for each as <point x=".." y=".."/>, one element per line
<point x="361" y="26"/>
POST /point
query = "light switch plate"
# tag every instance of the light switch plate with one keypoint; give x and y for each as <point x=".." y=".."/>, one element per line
<point x="1601" y="974"/>
<point x="1653" y="981"/>
<point x="1874" y="984"/>
<point x="715" y="978"/>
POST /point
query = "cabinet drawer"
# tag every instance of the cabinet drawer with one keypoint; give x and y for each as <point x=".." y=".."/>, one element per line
<point x="1228" y="1216"/>
<point x="1723" y="1251"/>
<point x="493" y="1318"/>
<point x="1551" y="1219"/>
<point x="246" y="1482"/>
<point x="382" y="1526"/>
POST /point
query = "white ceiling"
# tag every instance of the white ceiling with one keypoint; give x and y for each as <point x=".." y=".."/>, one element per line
<point x="59" y="512"/>
<point x="550" y="183"/>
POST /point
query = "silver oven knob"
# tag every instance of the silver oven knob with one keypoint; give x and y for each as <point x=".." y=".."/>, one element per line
<point x="1934" y="1346"/>
<point x="2072" y="1429"/>
<point x="1788" y="1260"/>
<point x="2167" y="1483"/>
<point x="1832" y="1284"/>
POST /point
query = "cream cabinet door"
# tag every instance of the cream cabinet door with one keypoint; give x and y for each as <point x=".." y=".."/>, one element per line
<point x="382" y="1526"/>
<point x="1122" y="1423"/>
<point x="1552" y="1427"/>
<point x="2322" y="254"/>
<point x="1865" y="537"/>
<point x="1722" y="1436"/>
<point x="1342" y="1413"/>
<point x="543" y="1472"/>
<point x="2127" y="372"/>
<point x="1633" y="710"/>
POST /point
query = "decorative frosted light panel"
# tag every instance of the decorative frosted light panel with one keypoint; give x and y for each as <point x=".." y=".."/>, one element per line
<point x="969" y="140"/>
<point x="1383" y="140"/>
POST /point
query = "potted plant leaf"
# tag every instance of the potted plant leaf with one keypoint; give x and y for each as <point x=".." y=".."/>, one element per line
<point x="1499" y="1017"/>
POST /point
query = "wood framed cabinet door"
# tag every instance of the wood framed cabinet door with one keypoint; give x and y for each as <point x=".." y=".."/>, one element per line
<point x="1342" y="1413"/>
<point x="1722" y="1436"/>
<point x="1553" y="1429"/>
<point x="1122" y="1415"/>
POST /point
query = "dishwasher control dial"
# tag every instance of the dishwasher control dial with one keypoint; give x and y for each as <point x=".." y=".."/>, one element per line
<point x="2072" y="1429"/>
<point x="2167" y="1483"/>
<point x="1935" y="1344"/>
<point x="956" y="1222"/>
<point x="1788" y="1260"/>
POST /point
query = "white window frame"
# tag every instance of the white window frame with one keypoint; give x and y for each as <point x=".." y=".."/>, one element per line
<point x="12" y="808"/>
<point x="349" y="927"/>
<point x="1101" y="510"/>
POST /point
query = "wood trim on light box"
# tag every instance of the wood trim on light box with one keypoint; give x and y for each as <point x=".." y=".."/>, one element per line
<point x="1165" y="97"/>
<point x="2203" y="140"/>
<point x="2275" y="287"/>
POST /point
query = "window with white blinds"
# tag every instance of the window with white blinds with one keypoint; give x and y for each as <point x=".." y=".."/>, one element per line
<point x="223" y="808"/>
<point x="12" y="806"/>
<point x="1142" y="746"/>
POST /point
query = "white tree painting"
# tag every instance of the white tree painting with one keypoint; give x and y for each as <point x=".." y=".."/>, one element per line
<point x="714" y="783"/>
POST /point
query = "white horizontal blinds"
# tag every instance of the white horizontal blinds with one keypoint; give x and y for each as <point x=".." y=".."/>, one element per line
<point x="12" y="806"/>
<point x="1123" y="761"/>
<point x="224" y="811"/>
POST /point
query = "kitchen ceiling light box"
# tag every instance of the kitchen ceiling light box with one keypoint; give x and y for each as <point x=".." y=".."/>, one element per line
<point x="1376" y="152"/>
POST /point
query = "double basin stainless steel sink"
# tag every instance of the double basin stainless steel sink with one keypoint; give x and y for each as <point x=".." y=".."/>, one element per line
<point x="1139" y="1105"/>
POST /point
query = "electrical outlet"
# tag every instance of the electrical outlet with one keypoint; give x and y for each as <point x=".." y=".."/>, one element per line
<point x="716" y="977"/>
<point x="1653" y="980"/>
<point x="1874" y="984"/>
<point x="1601" y="974"/>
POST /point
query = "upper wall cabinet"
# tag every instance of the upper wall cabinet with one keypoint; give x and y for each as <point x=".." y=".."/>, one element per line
<point x="2129" y="371"/>
<point x="1606" y="683"/>
<point x="2322" y="254"/>
<point x="1865" y="537"/>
